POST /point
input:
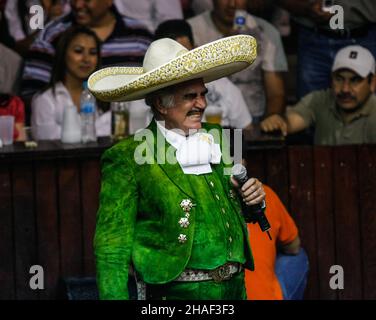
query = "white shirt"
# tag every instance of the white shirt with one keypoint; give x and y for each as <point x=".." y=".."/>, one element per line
<point x="270" y="56"/>
<point x="47" y="112"/>
<point x="14" y="20"/>
<point x="150" y="12"/>
<point x="222" y="93"/>
<point x="195" y="152"/>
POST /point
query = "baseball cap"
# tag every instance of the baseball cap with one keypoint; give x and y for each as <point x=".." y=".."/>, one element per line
<point x="356" y="58"/>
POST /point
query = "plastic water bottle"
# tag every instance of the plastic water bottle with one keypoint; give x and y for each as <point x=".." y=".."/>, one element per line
<point x="239" y="24"/>
<point x="87" y="110"/>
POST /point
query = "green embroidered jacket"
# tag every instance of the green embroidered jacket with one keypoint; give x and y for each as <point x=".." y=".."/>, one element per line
<point x="140" y="207"/>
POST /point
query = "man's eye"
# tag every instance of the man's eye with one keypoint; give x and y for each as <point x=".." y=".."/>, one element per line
<point x="191" y="96"/>
<point x="356" y="80"/>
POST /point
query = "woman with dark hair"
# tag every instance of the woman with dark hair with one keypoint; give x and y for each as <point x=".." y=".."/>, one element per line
<point x="77" y="56"/>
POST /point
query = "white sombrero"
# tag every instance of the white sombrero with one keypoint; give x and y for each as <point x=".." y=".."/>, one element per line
<point x="167" y="63"/>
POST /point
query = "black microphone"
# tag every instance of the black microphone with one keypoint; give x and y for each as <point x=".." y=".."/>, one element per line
<point x="254" y="213"/>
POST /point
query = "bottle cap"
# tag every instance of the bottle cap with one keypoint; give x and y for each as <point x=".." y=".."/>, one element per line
<point x="84" y="85"/>
<point x="240" y="19"/>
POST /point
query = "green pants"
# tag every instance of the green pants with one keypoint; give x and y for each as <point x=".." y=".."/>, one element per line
<point x="233" y="289"/>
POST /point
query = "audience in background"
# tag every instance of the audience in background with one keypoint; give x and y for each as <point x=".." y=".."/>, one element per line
<point x="125" y="41"/>
<point x="10" y="70"/>
<point x="223" y="96"/>
<point x="150" y="12"/>
<point x="200" y="6"/>
<point x="5" y="37"/>
<point x="18" y="17"/>
<point x="10" y="62"/>
<point x="318" y="42"/>
<point x="281" y="265"/>
<point x="342" y="114"/>
<point x="77" y="56"/>
<point x="262" y="84"/>
<point x="14" y="106"/>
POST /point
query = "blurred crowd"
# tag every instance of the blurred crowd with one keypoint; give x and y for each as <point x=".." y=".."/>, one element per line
<point x="309" y="77"/>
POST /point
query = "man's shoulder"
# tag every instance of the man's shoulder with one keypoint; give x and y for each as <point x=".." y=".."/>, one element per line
<point x="372" y="102"/>
<point x="319" y="99"/>
<point x="123" y="149"/>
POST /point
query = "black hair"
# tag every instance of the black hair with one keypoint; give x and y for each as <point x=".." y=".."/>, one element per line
<point x="59" y="66"/>
<point x="173" y="29"/>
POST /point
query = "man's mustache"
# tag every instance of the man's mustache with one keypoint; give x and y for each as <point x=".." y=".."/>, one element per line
<point x="345" y="96"/>
<point x="194" y="111"/>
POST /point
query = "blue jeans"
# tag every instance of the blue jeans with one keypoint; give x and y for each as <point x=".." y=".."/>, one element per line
<point x="292" y="273"/>
<point x="316" y="53"/>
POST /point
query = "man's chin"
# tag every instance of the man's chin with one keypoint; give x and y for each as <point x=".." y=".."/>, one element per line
<point x="347" y="106"/>
<point x="195" y="125"/>
<point x="83" y="21"/>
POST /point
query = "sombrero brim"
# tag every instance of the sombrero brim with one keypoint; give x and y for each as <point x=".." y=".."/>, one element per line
<point x="211" y="61"/>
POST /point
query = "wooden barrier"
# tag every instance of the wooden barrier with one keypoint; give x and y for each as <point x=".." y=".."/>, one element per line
<point x="49" y="199"/>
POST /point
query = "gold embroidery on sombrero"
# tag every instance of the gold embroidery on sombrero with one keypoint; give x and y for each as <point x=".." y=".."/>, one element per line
<point x="216" y="54"/>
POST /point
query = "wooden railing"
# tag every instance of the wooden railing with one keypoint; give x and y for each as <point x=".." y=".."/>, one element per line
<point x="49" y="198"/>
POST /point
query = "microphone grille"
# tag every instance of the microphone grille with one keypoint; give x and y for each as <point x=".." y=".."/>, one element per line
<point x="239" y="171"/>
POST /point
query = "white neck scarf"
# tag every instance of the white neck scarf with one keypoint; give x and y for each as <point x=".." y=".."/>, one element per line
<point x="195" y="152"/>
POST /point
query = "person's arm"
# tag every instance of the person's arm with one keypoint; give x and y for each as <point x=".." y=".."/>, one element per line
<point x="308" y="8"/>
<point x="252" y="191"/>
<point x="38" y="66"/>
<point x="296" y="118"/>
<point x="115" y="228"/>
<point x="275" y="93"/>
<point x="19" y="118"/>
<point x="274" y="64"/>
<point x="52" y="11"/>
<point x="292" y="122"/>
<point x="21" y="131"/>
<point x="292" y="247"/>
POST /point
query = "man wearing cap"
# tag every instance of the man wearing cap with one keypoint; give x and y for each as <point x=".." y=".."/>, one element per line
<point x="168" y="208"/>
<point x="343" y="114"/>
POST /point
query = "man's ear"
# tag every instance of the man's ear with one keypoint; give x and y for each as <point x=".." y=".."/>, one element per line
<point x="160" y="108"/>
<point x="373" y="83"/>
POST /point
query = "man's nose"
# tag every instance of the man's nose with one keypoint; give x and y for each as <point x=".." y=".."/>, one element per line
<point x="78" y="4"/>
<point x="346" y="87"/>
<point x="201" y="102"/>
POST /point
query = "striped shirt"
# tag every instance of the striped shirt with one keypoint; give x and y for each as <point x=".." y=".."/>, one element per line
<point x="125" y="46"/>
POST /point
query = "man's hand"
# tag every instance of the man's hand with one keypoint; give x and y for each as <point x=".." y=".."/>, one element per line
<point x="252" y="191"/>
<point x="311" y="9"/>
<point x="273" y="123"/>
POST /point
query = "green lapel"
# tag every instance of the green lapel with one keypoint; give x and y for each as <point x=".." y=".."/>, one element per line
<point x="163" y="152"/>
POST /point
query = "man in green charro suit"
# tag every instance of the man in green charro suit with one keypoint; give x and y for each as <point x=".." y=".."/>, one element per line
<point x="169" y="212"/>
